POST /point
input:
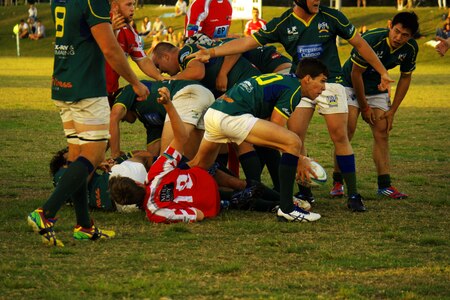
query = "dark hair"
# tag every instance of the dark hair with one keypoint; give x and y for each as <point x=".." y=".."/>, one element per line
<point x="162" y="47"/>
<point x="312" y="67"/>
<point x="125" y="191"/>
<point x="58" y="161"/>
<point x="408" y="20"/>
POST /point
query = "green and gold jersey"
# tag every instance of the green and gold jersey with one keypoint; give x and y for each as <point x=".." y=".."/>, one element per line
<point x="404" y="56"/>
<point x="150" y="112"/>
<point x="315" y="38"/>
<point x="260" y="95"/>
<point x="79" y="65"/>
<point x="242" y="69"/>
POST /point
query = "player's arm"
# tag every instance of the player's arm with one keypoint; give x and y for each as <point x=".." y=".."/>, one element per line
<point x="236" y="46"/>
<point x="108" y="44"/>
<point x="400" y="93"/>
<point x="180" y="135"/>
<point x="118" y="112"/>
<point x="369" y="55"/>
<point x="222" y="77"/>
<point x="358" y="86"/>
<point x="195" y="70"/>
<point x="148" y="67"/>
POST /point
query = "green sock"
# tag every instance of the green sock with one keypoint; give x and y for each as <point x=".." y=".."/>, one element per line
<point x="81" y="205"/>
<point x="251" y="165"/>
<point x="270" y="158"/>
<point x="74" y="178"/>
<point x="337" y="177"/>
<point x="384" y="181"/>
<point x="288" y="170"/>
<point x="304" y="190"/>
<point x="350" y="181"/>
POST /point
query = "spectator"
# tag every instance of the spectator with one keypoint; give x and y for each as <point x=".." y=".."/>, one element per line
<point x="359" y="2"/>
<point x="255" y="23"/>
<point x="158" y="27"/>
<point x="146" y="27"/>
<point x="444" y="32"/>
<point x="39" y="33"/>
<point x="31" y="25"/>
<point x="442" y="4"/>
<point x="171" y="36"/>
<point x="24" y="29"/>
<point x="32" y="12"/>
<point x="399" y="5"/>
<point x="180" y="8"/>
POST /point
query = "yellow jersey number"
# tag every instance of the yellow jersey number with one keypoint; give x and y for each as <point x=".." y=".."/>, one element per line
<point x="60" y="14"/>
<point x="268" y="78"/>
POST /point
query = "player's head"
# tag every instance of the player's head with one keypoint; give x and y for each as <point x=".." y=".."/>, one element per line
<point x="403" y="27"/>
<point x="58" y="161"/>
<point x="125" y="8"/>
<point x="313" y="75"/>
<point x="255" y="12"/>
<point x="126" y="191"/>
<point x="165" y="58"/>
<point x="309" y="6"/>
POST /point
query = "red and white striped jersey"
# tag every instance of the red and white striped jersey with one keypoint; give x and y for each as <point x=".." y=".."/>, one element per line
<point x="173" y="193"/>
<point x="131" y="44"/>
<point x="211" y="17"/>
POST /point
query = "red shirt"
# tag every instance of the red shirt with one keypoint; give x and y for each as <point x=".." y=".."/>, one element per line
<point x="251" y="27"/>
<point x="211" y="17"/>
<point x="131" y="44"/>
<point x="173" y="193"/>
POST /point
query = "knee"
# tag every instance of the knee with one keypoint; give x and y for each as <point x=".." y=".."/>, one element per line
<point x="340" y="137"/>
<point x="293" y="144"/>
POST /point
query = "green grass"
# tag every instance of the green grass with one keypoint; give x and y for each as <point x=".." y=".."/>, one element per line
<point x="397" y="250"/>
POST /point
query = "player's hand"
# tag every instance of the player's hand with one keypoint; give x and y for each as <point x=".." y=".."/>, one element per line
<point x="304" y="171"/>
<point x="141" y="91"/>
<point x="221" y="82"/>
<point x="117" y="21"/>
<point x="389" y="117"/>
<point x="385" y="84"/>
<point x="442" y="47"/>
<point x="368" y="115"/>
<point x="202" y="55"/>
<point x="164" y="95"/>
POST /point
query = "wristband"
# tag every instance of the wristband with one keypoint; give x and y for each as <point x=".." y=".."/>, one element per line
<point x="212" y="52"/>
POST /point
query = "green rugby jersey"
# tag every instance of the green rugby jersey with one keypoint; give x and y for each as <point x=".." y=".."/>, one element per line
<point x="260" y="95"/>
<point x="79" y="65"/>
<point x="150" y="112"/>
<point x="242" y="69"/>
<point x="316" y="38"/>
<point x="404" y="56"/>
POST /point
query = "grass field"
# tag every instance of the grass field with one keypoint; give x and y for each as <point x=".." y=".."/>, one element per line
<point x="397" y="250"/>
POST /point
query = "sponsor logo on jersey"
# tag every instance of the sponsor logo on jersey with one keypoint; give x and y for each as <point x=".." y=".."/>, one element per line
<point x="225" y="98"/>
<point x="246" y="85"/>
<point x="314" y="50"/>
<point x="402" y="57"/>
<point x="323" y="27"/>
<point x="286" y="111"/>
<point x="183" y="55"/>
<point x="64" y="50"/>
<point x="380" y="53"/>
<point x="292" y="30"/>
